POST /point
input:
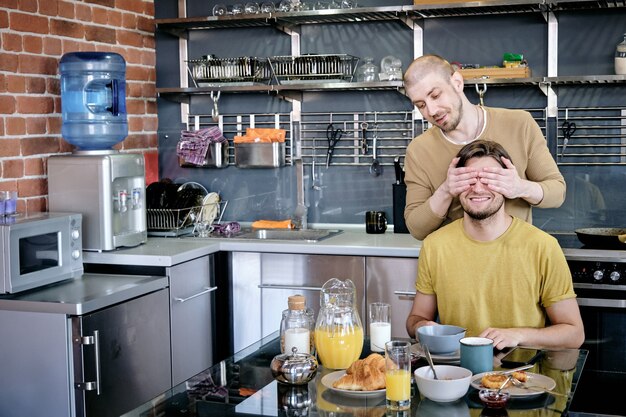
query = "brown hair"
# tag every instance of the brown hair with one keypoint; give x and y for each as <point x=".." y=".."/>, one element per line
<point x="481" y="149"/>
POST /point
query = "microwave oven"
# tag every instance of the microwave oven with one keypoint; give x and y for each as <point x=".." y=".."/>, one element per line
<point x="39" y="249"/>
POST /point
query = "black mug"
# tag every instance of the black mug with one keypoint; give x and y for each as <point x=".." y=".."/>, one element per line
<point x="375" y="222"/>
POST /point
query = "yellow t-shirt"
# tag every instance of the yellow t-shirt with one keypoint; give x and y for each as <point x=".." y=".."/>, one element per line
<point x="507" y="282"/>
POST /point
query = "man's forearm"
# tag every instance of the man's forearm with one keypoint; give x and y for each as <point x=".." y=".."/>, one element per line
<point x="533" y="193"/>
<point x="414" y="321"/>
<point x="440" y="201"/>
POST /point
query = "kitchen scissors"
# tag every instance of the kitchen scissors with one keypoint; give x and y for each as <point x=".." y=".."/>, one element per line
<point x="333" y="135"/>
<point x="568" y="129"/>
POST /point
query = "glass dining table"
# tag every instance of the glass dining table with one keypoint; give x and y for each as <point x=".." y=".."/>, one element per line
<point x="242" y="385"/>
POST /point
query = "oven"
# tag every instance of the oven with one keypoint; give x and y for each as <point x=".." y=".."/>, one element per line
<point x="600" y="283"/>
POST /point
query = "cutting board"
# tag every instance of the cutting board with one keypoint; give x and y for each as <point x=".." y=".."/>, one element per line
<point x="471" y="73"/>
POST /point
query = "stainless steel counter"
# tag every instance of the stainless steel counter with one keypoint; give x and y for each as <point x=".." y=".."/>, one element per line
<point x="172" y="251"/>
<point x="82" y="295"/>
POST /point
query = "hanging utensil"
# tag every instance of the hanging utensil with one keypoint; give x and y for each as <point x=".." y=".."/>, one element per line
<point x="399" y="170"/>
<point x="568" y="129"/>
<point x="376" y="168"/>
<point x="333" y="135"/>
<point x="215" y="113"/>
<point x="481" y="93"/>
<point x="364" y="138"/>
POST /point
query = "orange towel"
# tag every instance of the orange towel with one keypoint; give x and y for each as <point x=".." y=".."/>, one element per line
<point x="272" y="224"/>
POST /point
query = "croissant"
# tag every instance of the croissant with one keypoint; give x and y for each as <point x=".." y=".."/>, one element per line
<point x="364" y="375"/>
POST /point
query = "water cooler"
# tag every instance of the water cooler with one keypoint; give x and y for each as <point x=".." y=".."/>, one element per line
<point x="106" y="186"/>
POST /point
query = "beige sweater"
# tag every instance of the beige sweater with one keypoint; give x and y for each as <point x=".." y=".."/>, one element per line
<point x="428" y="157"/>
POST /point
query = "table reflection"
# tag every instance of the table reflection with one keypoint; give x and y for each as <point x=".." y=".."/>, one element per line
<point x="243" y="386"/>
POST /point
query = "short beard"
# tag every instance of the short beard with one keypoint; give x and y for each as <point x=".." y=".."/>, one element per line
<point x="483" y="215"/>
<point x="455" y="123"/>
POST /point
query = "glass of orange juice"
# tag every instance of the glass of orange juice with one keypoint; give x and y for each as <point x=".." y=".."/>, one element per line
<point x="398" y="374"/>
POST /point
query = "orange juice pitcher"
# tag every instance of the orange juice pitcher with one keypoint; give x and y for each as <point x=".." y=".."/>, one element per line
<point x="338" y="330"/>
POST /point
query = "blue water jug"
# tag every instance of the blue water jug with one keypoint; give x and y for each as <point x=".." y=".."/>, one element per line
<point x="93" y="99"/>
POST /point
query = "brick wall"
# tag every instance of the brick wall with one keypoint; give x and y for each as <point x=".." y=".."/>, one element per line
<point x="34" y="34"/>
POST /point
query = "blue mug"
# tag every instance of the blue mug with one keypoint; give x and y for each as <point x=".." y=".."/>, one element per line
<point x="477" y="354"/>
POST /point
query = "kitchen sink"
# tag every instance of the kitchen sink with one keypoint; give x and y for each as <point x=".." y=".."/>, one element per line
<point x="307" y="235"/>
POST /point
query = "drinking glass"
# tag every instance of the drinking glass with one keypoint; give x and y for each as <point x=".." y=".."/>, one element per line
<point x="380" y="326"/>
<point x="284" y="6"/>
<point x="267" y="7"/>
<point x="219" y="10"/>
<point x="252" y="7"/>
<point x="398" y="375"/>
<point x="4" y="196"/>
<point x="237" y="9"/>
<point x="10" y="204"/>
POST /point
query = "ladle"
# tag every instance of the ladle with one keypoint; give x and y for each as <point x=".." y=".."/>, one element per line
<point x="430" y="360"/>
<point x="376" y="168"/>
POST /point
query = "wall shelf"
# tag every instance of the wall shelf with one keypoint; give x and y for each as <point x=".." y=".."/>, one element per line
<point x="179" y="26"/>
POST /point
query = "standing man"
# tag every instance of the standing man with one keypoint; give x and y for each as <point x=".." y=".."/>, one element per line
<point x="433" y="179"/>
<point x="494" y="274"/>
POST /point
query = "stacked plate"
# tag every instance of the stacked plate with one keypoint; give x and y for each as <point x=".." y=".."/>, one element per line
<point x="448" y="358"/>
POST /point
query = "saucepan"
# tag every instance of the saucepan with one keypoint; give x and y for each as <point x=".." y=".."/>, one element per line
<point x="606" y="238"/>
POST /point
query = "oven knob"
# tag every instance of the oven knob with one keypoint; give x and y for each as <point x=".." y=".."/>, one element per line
<point x="615" y="276"/>
<point x="75" y="234"/>
<point x="598" y="275"/>
<point x="75" y="254"/>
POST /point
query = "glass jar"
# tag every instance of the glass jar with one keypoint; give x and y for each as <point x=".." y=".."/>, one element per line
<point x="297" y="326"/>
<point x="368" y="72"/>
<point x="338" y="331"/>
<point x="620" y="57"/>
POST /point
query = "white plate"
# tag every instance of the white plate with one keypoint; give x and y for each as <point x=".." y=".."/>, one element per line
<point x="454" y="357"/>
<point x="538" y="383"/>
<point x="327" y="381"/>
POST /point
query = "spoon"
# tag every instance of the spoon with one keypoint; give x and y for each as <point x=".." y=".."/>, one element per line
<point x="375" y="169"/>
<point x="506" y="381"/>
<point x="430" y="360"/>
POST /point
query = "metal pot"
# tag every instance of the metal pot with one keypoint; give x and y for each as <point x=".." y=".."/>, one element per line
<point x="294" y="368"/>
<point x="606" y="238"/>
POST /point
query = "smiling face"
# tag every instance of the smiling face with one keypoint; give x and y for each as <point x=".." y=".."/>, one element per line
<point x="479" y="202"/>
<point x="436" y="92"/>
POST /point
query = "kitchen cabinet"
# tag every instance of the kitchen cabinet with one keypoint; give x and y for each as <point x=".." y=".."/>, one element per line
<point x="99" y="364"/>
<point x="191" y="308"/>
<point x="392" y="280"/>
<point x="191" y="316"/>
<point x="262" y="282"/>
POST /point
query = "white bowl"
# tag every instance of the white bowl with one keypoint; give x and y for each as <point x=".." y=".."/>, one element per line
<point x="452" y="384"/>
<point x="441" y="338"/>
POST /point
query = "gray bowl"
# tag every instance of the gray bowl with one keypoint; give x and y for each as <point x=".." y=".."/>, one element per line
<point x="441" y="339"/>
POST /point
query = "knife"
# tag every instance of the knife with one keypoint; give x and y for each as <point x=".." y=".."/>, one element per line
<point x="399" y="171"/>
<point x="507" y="372"/>
<point x="521" y="368"/>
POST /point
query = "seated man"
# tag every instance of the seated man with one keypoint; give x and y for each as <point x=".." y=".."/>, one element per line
<point x="495" y="274"/>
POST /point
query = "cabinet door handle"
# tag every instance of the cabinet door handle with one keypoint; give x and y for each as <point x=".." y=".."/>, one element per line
<point x="407" y="293"/>
<point x="205" y="291"/>
<point x="289" y="287"/>
<point x="95" y="341"/>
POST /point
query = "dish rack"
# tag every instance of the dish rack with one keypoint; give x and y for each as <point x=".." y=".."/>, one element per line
<point x="243" y="70"/>
<point x="176" y="222"/>
<point x="308" y="68"/>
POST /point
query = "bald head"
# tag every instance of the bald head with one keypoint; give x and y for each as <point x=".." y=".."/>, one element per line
<point x="426" y="65"/>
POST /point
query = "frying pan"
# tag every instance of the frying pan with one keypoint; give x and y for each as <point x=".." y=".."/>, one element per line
<point x="596" y="237"/>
